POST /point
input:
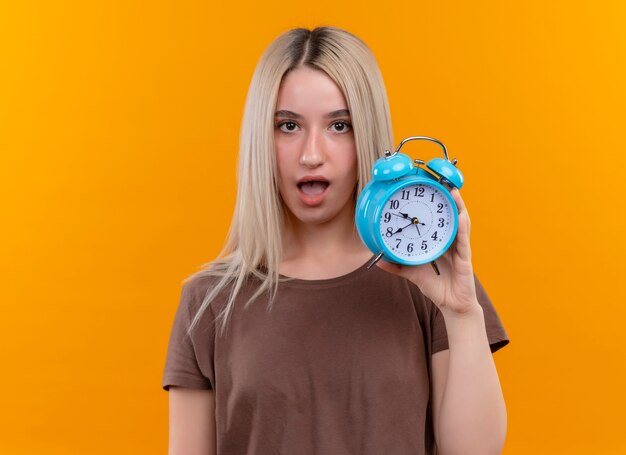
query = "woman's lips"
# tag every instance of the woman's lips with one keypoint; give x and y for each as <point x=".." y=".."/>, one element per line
<point x="312" y="192"/>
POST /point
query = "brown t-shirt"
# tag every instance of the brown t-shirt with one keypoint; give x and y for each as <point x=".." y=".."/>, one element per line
<point x="338" y="366"/>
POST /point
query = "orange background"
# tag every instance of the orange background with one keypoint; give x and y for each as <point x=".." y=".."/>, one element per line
<point x="119" y="126"/>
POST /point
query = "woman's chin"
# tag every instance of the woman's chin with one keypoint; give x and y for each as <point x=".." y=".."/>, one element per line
<point x="314" y="219"/>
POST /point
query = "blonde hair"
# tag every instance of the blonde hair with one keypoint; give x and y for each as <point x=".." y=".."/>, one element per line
<point x="254" y="244"/>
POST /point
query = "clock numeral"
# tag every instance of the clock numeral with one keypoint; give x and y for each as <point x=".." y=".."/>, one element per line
<point x="434" y="236"/>
<point x="419" y="191"/>
<point x="398" y="242"/>
<point x="405" y="195"/>
<point x="409" y="248"/>
<point x="388" y="217"/>
<point x="432" y="197"/>
<point x="440" y="208"/>
<point x="394" y="203"/>
<point x="441" y="220"/>
<point x="389" y="232"/>
<point x="424" y="244"/>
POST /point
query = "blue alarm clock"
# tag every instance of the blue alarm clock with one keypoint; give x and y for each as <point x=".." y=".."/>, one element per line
<point x="405" y="214"/>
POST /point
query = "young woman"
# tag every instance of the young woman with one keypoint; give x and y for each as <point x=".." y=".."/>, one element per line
<point x="287" y="343"/>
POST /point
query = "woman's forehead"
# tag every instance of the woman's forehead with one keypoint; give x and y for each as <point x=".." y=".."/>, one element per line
<point x="310" y="92"/>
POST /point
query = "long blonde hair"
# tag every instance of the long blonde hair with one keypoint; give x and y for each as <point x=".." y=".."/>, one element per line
<point x="254" y="244"/>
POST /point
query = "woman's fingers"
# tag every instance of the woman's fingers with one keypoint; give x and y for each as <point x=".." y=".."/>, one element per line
<point x="463" y="234"/>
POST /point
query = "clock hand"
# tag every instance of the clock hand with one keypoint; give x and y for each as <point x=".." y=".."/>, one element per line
<point x="406" y="216"/>
<point x="414" y="221"/>
<point x="400" y="229"/>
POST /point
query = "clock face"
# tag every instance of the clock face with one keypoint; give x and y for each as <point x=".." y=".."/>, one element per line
<point x="417" y="222"/>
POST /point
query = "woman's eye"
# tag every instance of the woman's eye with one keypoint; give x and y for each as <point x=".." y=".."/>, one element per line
<point x="341" y="127"/>
<point x="287" y="127"/>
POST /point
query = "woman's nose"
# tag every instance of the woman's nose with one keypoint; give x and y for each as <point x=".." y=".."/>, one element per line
<point x="312" y="154"/>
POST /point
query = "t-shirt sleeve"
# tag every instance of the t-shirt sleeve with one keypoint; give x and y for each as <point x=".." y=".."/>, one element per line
<point x="182" y="364"/>
<point x="496" y="334"/>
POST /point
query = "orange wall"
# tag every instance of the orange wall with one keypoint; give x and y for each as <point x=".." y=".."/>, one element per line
<point x="119" y="124"/>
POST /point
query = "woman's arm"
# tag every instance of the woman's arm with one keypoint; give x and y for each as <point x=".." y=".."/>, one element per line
<point x="468" y="410"/>
<point x="192" y="422"/>
<point x="469" y="413"/>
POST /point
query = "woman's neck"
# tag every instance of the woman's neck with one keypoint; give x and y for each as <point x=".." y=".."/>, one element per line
<point x="320" y="251"/>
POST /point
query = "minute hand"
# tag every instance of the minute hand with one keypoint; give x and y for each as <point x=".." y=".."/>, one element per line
<point x="400" y="229"/>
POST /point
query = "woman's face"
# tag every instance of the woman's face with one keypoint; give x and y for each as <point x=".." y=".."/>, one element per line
<point x="315" y="148"/>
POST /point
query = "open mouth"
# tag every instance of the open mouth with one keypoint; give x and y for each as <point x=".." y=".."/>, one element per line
<point x="313" y="187"/>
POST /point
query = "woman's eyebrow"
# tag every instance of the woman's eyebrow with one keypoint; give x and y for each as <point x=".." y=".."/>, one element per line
<point x="338" y="113"/>
<point x="287" y="114"/>
<point x="283" y="113"/>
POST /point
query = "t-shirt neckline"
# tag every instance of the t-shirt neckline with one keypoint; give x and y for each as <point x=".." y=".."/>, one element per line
<point x="325" y="282"/>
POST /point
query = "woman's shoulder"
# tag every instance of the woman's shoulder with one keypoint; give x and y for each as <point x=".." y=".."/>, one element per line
<point x="199" y="282"/>
<point x="215" y="285"/>
<point x="204" y="281"/>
